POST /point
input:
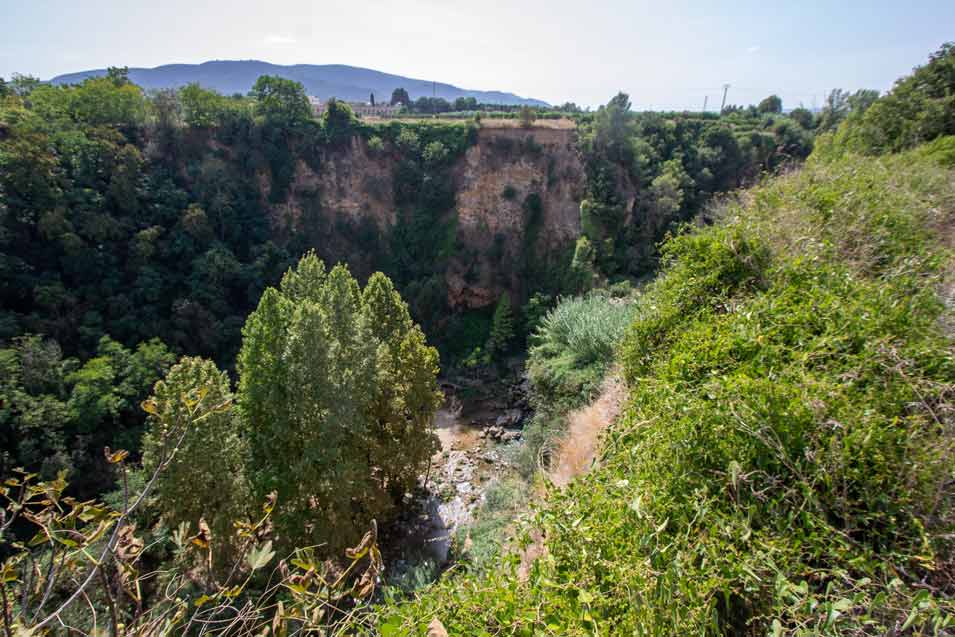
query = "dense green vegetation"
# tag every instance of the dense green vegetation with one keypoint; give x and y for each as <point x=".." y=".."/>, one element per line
<point x="140" y="220"/>
<point x="329" y="427"/>
<point x="55" y="410"/>
<point x="919" y="108"/>
<point x="675" y="162"/>
<point x="139" y="217"/>
<point x="332" y="414"/>
<point x="337" y="391"/>
<point x="784" y="465"/>
<point x="785" y="461"/>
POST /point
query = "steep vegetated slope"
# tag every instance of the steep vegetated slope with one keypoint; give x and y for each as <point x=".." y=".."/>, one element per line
<point x="784" y="464"/>
<point x="514" y="198"/>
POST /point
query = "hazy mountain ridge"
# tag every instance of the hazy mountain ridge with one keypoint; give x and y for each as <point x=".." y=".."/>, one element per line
<point x="323" y="80"/>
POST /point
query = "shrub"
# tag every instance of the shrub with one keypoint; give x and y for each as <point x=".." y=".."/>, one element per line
<point x="586" y="328"/>
<point x="376" y="145"/>
<point x="204" y="479"/>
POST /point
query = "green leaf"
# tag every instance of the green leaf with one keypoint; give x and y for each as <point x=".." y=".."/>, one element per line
<point x="910" y="619"/>
<point x="777" y="628"/>
<point x="842" y="605"/>
<point x="390" y="628"/>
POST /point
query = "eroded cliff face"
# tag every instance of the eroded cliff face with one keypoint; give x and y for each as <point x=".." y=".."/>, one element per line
<point x="494" y="181"/>
<point x="517" y="196"/>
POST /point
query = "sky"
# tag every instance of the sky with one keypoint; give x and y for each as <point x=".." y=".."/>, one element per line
<point x="666" y="54"/>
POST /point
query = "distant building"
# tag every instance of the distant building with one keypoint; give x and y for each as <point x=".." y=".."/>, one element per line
<point x="361" y="109"/>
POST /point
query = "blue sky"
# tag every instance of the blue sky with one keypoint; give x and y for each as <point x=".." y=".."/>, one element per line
<point x="665" y="54"/>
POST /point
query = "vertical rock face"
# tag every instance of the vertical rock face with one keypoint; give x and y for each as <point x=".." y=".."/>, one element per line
<point x="516" y="191"/>
<point x="351" y="193"/>
<point x="494" y="181"/>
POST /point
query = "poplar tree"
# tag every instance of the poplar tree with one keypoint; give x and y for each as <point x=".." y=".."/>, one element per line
<point x="337" y="389"/>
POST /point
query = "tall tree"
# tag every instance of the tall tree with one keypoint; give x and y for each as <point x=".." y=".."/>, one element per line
<point x="281" y="102"/>
<point x="502" y="328"/>
<point x="204" y="479"/>
<point x="201" y="107"/>
<point x="771" y="104"/>
<point x="338" y="120"/>
<point x="118" y="75"/>
<point x="337" y="390"/>
<point x="803" y="117"/>
<point x="834" y="111"/>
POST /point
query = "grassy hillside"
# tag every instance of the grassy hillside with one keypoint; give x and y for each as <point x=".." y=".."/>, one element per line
<point x="785" y="464"/>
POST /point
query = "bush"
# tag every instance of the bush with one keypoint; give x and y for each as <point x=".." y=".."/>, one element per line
<point x="586" y="328"/>
<point x="375" y="145"/>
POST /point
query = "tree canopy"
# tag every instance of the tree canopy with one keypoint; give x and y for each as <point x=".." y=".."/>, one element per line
<point x="400" y="96"/>
<point x="281" y="102"/>
<point x="204" y="480"/>
<point x="771" y="104"/>
<point x="337" y="390"/>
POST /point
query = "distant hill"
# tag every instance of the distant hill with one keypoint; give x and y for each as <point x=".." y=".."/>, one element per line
<point x="322" y="80"/>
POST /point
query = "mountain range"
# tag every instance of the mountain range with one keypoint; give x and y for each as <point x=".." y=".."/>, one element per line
<point x="350" y="83"/>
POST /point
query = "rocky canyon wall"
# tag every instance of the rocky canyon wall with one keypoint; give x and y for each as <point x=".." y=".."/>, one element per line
<point x="517" y="196"/>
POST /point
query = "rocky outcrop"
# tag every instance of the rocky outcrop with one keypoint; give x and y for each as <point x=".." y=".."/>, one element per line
<point x="352" y="192"/>
<point x="494" y="180"/>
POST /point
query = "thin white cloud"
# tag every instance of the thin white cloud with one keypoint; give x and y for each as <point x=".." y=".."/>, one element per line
<point x="753" y="49"/>
<point x="278" y="39"/>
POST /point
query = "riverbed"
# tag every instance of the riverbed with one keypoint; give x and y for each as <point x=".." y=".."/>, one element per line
<point x="478" y="431"/>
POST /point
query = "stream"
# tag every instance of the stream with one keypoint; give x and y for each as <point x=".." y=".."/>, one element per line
<point x="479" y="428"/>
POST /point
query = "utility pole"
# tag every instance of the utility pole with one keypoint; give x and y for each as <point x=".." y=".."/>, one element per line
<point x="705" y="98"/>
<point x="434" y="101"/>
<point x="726" y="87"/>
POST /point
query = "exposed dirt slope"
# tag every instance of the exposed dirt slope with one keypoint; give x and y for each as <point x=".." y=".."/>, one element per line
<point x="579" y="446"/>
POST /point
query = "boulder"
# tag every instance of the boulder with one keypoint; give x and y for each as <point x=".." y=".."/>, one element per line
<point x="508" y="436"/>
